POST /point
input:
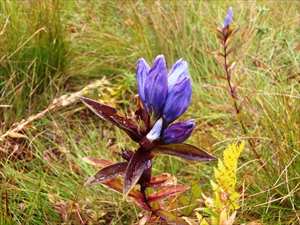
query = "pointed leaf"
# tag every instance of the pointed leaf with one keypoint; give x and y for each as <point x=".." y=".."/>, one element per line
<point x="166" y="192"/>
<point x="135" y="169"/>
<point x="158" y="180"/>
<point x="100" y="163"/>
<point x="113" y="116"/>
<point x="236" y="30"/>
<point x="221" y="87"/>
<point x="107" y="173"/>
<point x="234" y="61"/>
<point x="185" y="151"/>
<point x="140" y="202"/>
<point x="239" y="82"/>
<point x="149" y="219"/>
<point x="231" y="67"/>
<point x="116" y="185"/>
<point x="170" y="217"/>
<point x="144" y="220"/>
<point x="221" y="61"/>
<point x="234" y="48"/>
<point x="216" y="31"/>
<point x="245" y="101"/>
<point x="163" y="180"/>
<point x="228" y="39"/>
<point x="182" y="200"/>
<point x="146" y="176"/>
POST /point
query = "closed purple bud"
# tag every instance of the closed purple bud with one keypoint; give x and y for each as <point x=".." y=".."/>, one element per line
<point x="177" y="73"/>
<point x="142" y="71"/>
<point x="178" y="132"/>
<point x="156" y="86"/>
<point x="178" y="100"/>
<point x="228" y="18"/>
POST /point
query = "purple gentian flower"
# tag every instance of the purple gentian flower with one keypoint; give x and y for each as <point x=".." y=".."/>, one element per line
<point x="167" y="96"/>
<point x="153" y="86"/>
<point x="142" y="71"/>
<point x="178" y="132"/>
<point x="178" y="100"/>
<point x="228" y="18"/>
<point x="163" y="99"/>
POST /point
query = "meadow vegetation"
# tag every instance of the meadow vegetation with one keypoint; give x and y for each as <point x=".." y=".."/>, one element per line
<point x="50" y="49"/>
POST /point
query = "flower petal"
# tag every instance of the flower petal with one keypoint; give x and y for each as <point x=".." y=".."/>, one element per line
<point x="178" y="100"/>
<point x="177" y="73"/>
<point x="228" y="18"/>
<point x="142" y="71"/>
<point x="155" y="131"/>
<point x="136" y="166"/>
<point x="156" y="86"/>
<point x="178" y="132"/>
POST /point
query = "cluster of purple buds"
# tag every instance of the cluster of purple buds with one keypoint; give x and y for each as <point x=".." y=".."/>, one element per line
<point x="165" y="97"/>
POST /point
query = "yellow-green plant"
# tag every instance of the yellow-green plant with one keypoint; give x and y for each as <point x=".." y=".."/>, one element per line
<point x="222" y="205"/>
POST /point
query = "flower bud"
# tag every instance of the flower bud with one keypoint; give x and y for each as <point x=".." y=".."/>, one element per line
<point x="178" y="100"/>
<point x="156" y="86"/>
<point x="228" y="18"/>
<point x="178" y="132"/>
<point x="142" y="71"/>
<point x="177" y="73"/>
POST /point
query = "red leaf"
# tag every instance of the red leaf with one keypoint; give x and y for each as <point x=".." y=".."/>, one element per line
<point x="234" y="48"/>
<point x="113" y="116"/>
<point x="116" y="184"/>
<point x="166" y="192"/>
<point x="221" y="61"/>
<point x="185" y="151"/>
<point x="239" y="82"/>
<point x="140" y="202"/>
<point x="100" y="163"/>
<point x="135" y="169"/>
<point x="158" y="180"/>
<point x="107" y="173"/>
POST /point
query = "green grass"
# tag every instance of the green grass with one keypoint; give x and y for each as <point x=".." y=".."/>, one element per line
<point x="34" y="49"/>
<point x="50" y="48"/>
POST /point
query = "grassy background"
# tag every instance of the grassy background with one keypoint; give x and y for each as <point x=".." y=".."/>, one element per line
<point x="51" y="48"/>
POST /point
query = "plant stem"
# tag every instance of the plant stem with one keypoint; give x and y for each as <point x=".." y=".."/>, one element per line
<point x="237" y="111"/>
<point x="143" y="190"/>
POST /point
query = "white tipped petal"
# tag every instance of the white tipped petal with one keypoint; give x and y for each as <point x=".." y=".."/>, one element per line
<point x="155" y="131"/>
